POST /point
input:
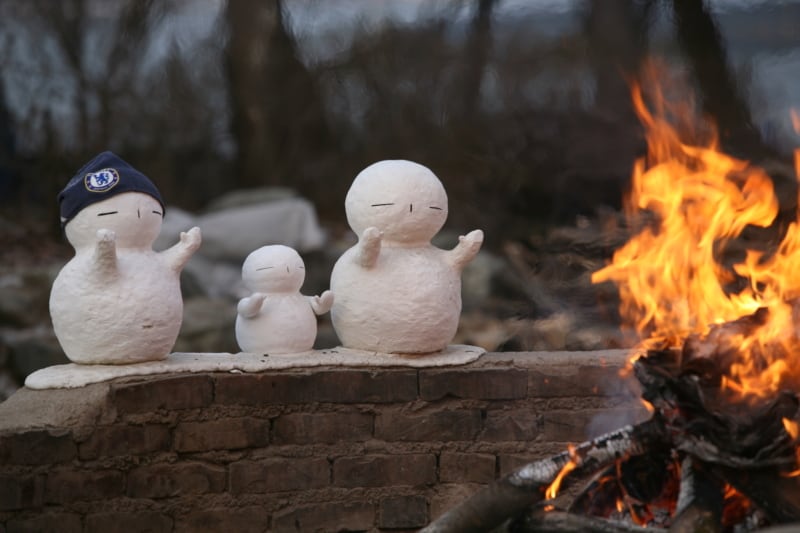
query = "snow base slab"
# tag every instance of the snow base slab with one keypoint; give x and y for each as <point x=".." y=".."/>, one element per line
<point x="73" y="375"/>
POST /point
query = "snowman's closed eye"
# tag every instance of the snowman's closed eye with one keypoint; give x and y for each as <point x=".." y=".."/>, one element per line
<point x="263" y="268"/>
<point x="381" y="205"/>
<point x="159" y="213"/>
<point x="434" y="207"/>
<point x="107" y="213"/>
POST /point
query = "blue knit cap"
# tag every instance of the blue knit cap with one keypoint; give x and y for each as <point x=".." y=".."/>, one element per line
<point x="103" y="177"/>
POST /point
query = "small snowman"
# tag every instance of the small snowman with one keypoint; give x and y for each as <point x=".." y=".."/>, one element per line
<point x="395" y="291"/>
<point x="276" y="318"/>
<point x="117" y="301"/>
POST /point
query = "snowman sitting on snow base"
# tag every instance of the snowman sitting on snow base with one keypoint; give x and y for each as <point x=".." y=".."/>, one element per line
<point x="117" y="301"/>
<point x="395" y="292"/>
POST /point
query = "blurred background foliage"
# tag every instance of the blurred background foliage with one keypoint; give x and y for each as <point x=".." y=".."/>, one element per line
<point x="521" y="107"/>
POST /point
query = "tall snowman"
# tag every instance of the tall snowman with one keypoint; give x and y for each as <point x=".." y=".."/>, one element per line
<point x="117" y="301"/>
<point x="395" y="291"/>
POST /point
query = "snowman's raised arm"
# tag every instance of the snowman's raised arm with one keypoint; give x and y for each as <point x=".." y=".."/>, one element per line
<point x="105" y="254"/>
<point x="250" y="306"/>
<point x="466" y="249"/>
<point x="178" y="255"/>
<point x="321" y="304"/>
<point x="369" y="247"/>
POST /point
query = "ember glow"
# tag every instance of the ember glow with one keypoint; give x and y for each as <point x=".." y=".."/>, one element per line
<point x="675" y="276"/>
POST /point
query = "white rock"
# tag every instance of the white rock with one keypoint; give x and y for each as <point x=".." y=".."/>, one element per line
<point x="118" y="301"/>
<point x="395" y="291"/>
<point x="276" y="318"/>
<point x="233" y="233"/>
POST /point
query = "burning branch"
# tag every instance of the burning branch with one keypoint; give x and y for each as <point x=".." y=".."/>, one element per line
<point x="512" y="494"/>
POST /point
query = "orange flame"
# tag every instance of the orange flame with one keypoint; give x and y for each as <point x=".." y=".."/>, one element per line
<point x="793" y="429"/>
<point x="552" y="490"/>
<point x="673" y="278"/>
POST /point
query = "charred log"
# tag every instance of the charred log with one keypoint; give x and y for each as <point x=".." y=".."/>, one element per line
<point x="700" y="501"/>
<point x="512" y="494"/>
<point x="777" y="495"/>
<point x="541" y="521"/>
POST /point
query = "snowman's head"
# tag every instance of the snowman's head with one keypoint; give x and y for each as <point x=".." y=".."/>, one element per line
<point x="108" y="193"/>
<point x="403" y="199"/>
<point x="134" y="217"/>
<point x="274" y="268"/>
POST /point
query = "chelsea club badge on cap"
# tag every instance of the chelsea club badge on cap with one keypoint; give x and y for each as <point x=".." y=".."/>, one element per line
<point x="105" y="175"/>
<point x="102" y="180"/>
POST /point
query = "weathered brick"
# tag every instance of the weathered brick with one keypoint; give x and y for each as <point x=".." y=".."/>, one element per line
<point x="448" y="495"/>
<point x="474" y="383"/>
<point x="68" y="485"/>
<point x="401" y="512"/>
<point x="148" y="521"/>
<point x="276" y="475"/>
<point x="444" y="425"/>
<point x="566" y="426"/>
<point x="125" y="440"/>
<point x="37" y="447"/>
<point x="583" y="380"/>
<point x="327" y="428"/>
<point x="167" y="480"/>
<point x="344" y="516"/>
<point x="511" y="425"/>
<point x="334" y="386"/>
<point x="184" y="391"/>
<point x="384" y="470"/>
<point x="255" y="519"/>
<point x="225" y="434"/>
<point x="466" y="468"/>
<point x="61" y="522"/>
<point x="20" y="492"/>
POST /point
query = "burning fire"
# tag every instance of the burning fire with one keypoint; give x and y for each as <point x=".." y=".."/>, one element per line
<point x="552" y="490"/>
<point x="679" y="276"/>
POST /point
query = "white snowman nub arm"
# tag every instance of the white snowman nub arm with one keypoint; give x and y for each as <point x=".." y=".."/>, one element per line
<point x="250" y="306"/>
<point x="467" y="248"/>
<point x="177" y="256"/>
<point x="369" y="247"/>
<point x="105" y="253"/>
<point x="321" y="304"/>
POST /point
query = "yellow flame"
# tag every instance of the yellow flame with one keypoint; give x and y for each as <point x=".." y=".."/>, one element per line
<point x="792" y="427"/>
<point x="552" y="490"/>
<point x="671" y="276"/>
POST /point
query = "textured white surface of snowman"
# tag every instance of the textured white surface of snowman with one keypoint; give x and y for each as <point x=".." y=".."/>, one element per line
<point x="117" y="301"/>
<point x="395" y="291"/>
<point x="277" y="318"/>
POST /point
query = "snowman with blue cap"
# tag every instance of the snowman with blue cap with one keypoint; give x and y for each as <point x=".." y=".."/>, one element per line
<point x="117" y="301"/>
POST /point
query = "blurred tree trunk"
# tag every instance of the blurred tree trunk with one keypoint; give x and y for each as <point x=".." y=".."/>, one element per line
<point x="478" y="48"/>
<point x="67" y="21"/>
<point x="278" y="115"/>
<point x="250" y="25"/>
<point x="722" y="98"/>
<point x="617" y="34"/>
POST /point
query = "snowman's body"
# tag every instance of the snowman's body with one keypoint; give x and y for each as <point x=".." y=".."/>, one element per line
<point x="131" y="317"/>
<point x="285" y="324"/>
<point x="425" y="294"/>
<point x="277" y="318"/>
<point x="395" y="291"/>
<point x="117" y="301"/>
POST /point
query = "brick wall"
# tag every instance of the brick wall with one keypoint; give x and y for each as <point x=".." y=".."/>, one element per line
<point x="324" y="449"/>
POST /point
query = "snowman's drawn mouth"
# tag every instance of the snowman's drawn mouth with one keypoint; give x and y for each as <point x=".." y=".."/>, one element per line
<point x="147" y="326"/>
